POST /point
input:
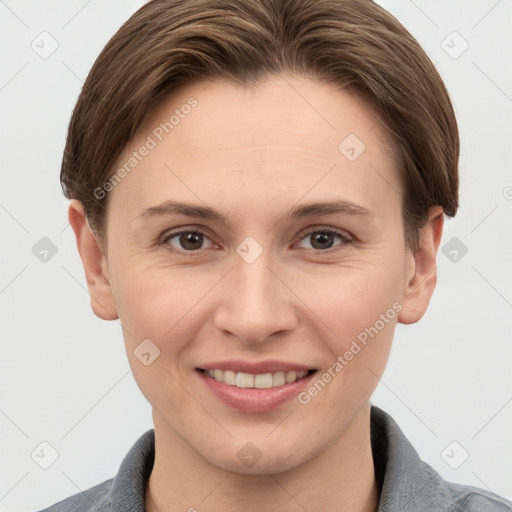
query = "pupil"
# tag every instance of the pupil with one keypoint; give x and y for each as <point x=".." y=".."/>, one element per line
<point x="191" y="240"/>
<point x="322" y="238"/>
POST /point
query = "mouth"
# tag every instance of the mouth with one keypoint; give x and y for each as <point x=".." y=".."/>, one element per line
<point x="260" y="387"/>
<point x="259" y="381"/>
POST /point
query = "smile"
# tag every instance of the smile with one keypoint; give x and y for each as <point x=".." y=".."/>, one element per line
<point x="259" y="381"/>
<point x="259" y="388"/>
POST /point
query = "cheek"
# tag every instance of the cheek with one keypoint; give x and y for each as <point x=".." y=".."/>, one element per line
<point x="349" y="300"/>
<point x="358" y="310"/>
<point x="154" y="302"/>
<point x="160" y="316"/>
<point x="168" y="308"/>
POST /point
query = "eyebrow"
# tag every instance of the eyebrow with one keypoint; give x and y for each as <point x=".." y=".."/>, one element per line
<point x="332" y="207"/>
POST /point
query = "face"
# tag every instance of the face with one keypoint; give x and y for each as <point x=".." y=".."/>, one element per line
<point x="257" y="246"/>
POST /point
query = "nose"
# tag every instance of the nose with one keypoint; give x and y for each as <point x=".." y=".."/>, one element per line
<point x="255" y="302"/>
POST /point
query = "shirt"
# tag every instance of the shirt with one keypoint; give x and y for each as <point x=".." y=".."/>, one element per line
<point x="407" y="483"/>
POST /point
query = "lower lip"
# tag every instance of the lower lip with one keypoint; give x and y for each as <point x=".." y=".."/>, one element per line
<point x="255" y="400"/>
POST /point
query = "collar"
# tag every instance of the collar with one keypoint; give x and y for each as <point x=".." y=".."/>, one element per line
<point x="407" y="483"/>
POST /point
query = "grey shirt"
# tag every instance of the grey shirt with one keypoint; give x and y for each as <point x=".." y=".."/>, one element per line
<point x="407" y="483"/>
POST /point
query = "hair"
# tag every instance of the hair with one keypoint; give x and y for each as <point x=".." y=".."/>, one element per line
<point x="354" y="44"/>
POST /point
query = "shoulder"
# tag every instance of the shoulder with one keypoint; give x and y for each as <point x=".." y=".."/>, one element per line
<point x="409" y="484"/>
<point x="430" y="491"/>
<point x="472" y="499"/>
<point x="125" y="492"/>
<point x="95" y="499"/>
<point x="436" y="493"/>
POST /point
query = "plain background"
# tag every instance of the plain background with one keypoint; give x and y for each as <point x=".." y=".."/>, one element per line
<point x="65" y="378"/>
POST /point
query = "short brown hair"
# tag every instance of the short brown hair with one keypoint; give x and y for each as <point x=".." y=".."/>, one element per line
<point x="354" y="44"/>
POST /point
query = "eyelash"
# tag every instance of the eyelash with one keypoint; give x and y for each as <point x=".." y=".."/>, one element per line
<point x="345" y="239"/>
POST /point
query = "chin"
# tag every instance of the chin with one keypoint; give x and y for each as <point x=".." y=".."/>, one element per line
<point x="250" y="460"/>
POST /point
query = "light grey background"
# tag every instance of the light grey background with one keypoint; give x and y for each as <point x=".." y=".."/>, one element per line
<point x="65" y="378"/>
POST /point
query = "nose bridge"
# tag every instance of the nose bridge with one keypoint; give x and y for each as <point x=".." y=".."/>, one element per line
<point x="255" y="303"/>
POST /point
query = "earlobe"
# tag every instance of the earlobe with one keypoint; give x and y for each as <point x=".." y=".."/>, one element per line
<point x="94" y="262"/>
<point x="420" y="287"/>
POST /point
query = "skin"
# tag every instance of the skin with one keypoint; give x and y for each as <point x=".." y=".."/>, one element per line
<point x="254" y="154"/>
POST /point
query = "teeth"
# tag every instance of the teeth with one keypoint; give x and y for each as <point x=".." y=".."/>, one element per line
<point x="278" y="379"/>
<point x="229" y="378"/>
<point x="290" y="377"/>
<point x="243" y="380"/>
<point x="261" y="381"/>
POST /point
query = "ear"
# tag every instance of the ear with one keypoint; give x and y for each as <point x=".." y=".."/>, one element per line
<point x="94" y="262"/>
<point x="423" y="273"/>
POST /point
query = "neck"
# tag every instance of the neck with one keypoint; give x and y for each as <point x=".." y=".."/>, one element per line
<point x="340" y="478"/>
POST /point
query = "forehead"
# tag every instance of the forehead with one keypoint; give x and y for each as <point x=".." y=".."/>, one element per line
<point x="282" y="139"/>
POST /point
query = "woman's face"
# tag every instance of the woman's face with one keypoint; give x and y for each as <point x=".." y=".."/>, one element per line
<point x="259" y="233"/>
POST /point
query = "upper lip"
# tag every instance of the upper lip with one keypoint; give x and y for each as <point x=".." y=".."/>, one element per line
<point x="255" y="368"/>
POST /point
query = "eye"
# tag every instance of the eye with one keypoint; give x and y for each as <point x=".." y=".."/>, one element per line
<point x="323" y="239"/>
<point x="188" y="240"/>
